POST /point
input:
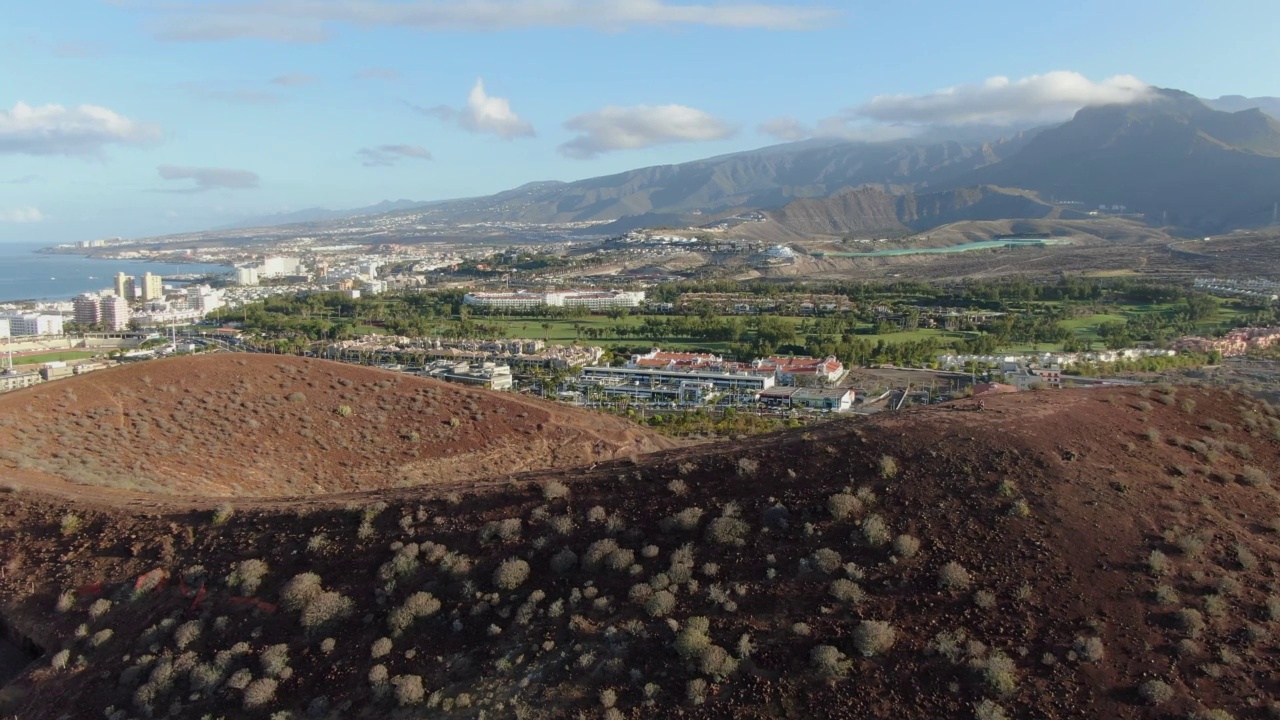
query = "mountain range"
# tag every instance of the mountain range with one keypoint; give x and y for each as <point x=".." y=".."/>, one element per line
<point x="1178" y="161"/>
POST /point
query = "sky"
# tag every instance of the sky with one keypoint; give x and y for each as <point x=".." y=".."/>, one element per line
<point x="145" y="117"/>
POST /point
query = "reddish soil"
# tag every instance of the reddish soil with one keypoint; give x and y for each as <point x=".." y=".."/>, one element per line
<point x="263" y="426"/>
<point x="1107" y="477"/>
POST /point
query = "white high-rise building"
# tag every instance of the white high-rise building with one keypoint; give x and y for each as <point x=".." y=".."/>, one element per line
<point x="87" y="309"/>
<point x="115" y="313"/>
<point x="279" y="266"/>
<point x="25" y="324"/>
<point x="247" y="275"/>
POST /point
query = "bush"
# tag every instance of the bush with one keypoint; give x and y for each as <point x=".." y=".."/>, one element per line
<point x="684" y="521"/>
<point x="825" y="560"/>
<point x="100" y="607"/>
<point x="696" y="691"/>
<point x="660" y="604"/>
<point x="380" y="648"/>
<point x="953" y="576"/>
<point x="988" y="710"/>
<point x="1155" y="692"/>
<point x="1089" y="649"/>
<point x="326" y="608"/>
<point x="843" y="505"/>
<point x="1254" y="477"/>
<point x="999" y="672"/>
<point x="906" y="546"/>
<point x="828" y="662"/>
<point x="223" y="513"/>
<point x="187" y="633"/>
<point x="274" y="660"/>
<point x="248" y="576"/>
<point x="511" y="574"/>
<point x="1190" y="621"/>
<point x="1158" y="563"/>
<point x="102" y="637"/>
<point x="846" y="591"/>
<point x="259" y="693"/>
<point x="727" y="531"/>
<point x="597" y="552"/>
<point x="873" y="637"/>
<point x="300" y="590"/>
<point x="553" y="490"/>
<point x="417" y="605"/>
<point x="408" y="689"/>
<point x="70" y="524"/>
<point x="888" y="467"/>
<point x="875" y="531"/>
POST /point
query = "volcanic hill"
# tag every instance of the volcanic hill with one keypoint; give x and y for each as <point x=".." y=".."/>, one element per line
<point x="1108" y="553"/>
<point x="261" y="425"/>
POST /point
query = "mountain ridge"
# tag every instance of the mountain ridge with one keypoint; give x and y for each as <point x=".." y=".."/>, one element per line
<point x="1175" y="158"/>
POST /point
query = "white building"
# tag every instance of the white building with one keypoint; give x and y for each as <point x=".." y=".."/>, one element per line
<point x="115" y="313"/>
<point x="523" y="300"/>
<point x="20" y="324"/>
<point x="87" y="309"/>
<point x="247" y="275"/>
<point x="279" y="267"/>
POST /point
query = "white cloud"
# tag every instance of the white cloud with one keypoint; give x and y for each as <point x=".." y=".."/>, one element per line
<point x="1001" y="101"/>
<point x="207" y="178"/>
<point x="83" y="130"/>
<point x="294" y="80"/>
<point x="388" y="155"/>
<point x="483" y="113"/>
<point x="294" y="21"/>
<point x="785" y="129"/>
<point x="21" y="215"/>
<point x="641" y="126"/>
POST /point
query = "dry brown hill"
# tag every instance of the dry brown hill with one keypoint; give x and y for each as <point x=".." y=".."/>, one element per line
<point x="1074" y="554"/>
<point x="263" y="425"/>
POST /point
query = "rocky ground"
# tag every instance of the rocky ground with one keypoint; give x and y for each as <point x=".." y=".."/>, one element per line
<point x="1061" y="554"/>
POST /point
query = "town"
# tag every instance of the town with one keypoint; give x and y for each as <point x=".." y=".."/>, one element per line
<point x="793" y="351"/>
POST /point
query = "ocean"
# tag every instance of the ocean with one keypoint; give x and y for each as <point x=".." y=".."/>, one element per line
<point x="28" y="275"/>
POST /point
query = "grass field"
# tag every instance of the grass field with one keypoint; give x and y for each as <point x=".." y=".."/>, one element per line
<point x="53" y="357"/>
<point x="567" y="331"/>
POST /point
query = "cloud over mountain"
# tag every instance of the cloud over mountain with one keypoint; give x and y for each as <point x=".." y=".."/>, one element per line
<point x="208" y="178"/>
<point x="1001" y="101"/>
<point x="26" y="214"/>
<point x="83" y="130"/>
<point x="640" y="126"/>
<point x="388" y="155"/>
<point x="291" y="21"/>
<point x="483" y="113"/>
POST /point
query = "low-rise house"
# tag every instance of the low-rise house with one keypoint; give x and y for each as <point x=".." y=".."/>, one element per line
<point x="801" y="370"/>
<point x="828" y="399"/>
<point x="18" y="379"/>
<point x="486" y="375"/>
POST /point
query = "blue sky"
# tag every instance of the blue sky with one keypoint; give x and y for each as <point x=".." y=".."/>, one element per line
<point x="142" y="117"/>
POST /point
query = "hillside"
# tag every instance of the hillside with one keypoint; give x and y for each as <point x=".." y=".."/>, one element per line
<point x="259" y="425"/>
<point x="766" y="178"/>
<point x="933" y="563"/>
<point x="1173" y="158"/>
<point x="874" y="211"/>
